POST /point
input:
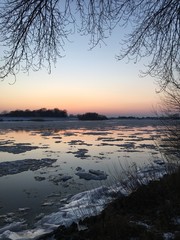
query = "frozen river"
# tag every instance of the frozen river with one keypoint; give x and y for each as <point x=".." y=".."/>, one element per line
<point x="42" y="164"/>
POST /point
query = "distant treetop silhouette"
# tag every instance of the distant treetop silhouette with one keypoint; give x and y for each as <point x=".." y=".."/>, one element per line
<point x="91" y="116"/>
<point x="43" y="112"/>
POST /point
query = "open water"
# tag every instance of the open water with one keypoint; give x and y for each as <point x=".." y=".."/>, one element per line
<point x="99" y="150"/>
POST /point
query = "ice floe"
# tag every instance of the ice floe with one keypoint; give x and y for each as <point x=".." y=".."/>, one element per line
<point x="80" y="153"/>
<point x="91" y="174"/>
<point x="15" y="226"/>
<point x="39" y="178"/>
<point x="81" y="205"/>
<point x="18" y="166"/>
<point x="79" y="142"/>
<point x="24" y="235"/>
<point x="23" y="209"/>
<point x="59" y="178"/>
<point x="17" y="148"/>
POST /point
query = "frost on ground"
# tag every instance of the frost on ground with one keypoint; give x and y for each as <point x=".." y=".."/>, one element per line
<point x="14" y="167"/>
<point x="82" y="205"/>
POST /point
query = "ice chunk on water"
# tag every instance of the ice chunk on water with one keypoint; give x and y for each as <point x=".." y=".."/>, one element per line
<point x="24" y="235"/>
<point x="15" y="226"/>
<point x="80" y="206"/>
<point x="92" y="174"/>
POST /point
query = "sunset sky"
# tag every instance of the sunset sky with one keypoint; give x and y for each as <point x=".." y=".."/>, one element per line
<point x="84" y="81"/>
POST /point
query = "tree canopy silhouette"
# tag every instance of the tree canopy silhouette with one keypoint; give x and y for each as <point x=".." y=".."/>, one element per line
<point x="91" y="116"/>
<point x="34" y="32"/>
<point x="43" y="112"/>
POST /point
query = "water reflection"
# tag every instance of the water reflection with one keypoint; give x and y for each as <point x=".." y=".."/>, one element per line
<point x="42" y="190"/>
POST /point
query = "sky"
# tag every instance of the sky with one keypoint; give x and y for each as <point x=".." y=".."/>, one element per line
<point x="85" y="80"/>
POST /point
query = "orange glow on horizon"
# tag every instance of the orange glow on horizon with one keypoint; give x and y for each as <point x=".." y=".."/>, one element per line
<point x="84" y="81"/>
<point x="75" y="101"/>
<point x="77" y="108"/>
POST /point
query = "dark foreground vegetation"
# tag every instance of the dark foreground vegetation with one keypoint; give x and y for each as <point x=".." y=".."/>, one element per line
<point x="151" y="212"/>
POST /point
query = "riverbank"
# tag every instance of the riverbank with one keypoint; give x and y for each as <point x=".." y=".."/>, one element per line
<point x="151" y="212"/>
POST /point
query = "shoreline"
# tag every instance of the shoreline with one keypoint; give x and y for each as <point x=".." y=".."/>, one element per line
<point x="150" y="212"/>
<point x="81" y="207"/>
<point x="75" y="124"/>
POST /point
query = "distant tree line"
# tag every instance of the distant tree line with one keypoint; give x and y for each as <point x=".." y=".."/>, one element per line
<point x="57" y="113"/>
<point x="43" y="112"/>
<point x="91" y="116"/>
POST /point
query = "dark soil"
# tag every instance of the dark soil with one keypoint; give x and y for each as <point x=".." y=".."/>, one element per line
<point x="146" y="214"/>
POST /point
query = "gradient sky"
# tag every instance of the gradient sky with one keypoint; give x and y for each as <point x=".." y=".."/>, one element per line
<point x="84" y="81"/>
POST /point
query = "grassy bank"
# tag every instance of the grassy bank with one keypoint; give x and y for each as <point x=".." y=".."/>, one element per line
<point x="151" y="212"/>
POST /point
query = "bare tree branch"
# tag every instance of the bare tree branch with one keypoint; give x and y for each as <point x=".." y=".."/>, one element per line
<point x="156" y="35"/>
<point x="170" y="143"/>
<point x="34" y="32"/>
